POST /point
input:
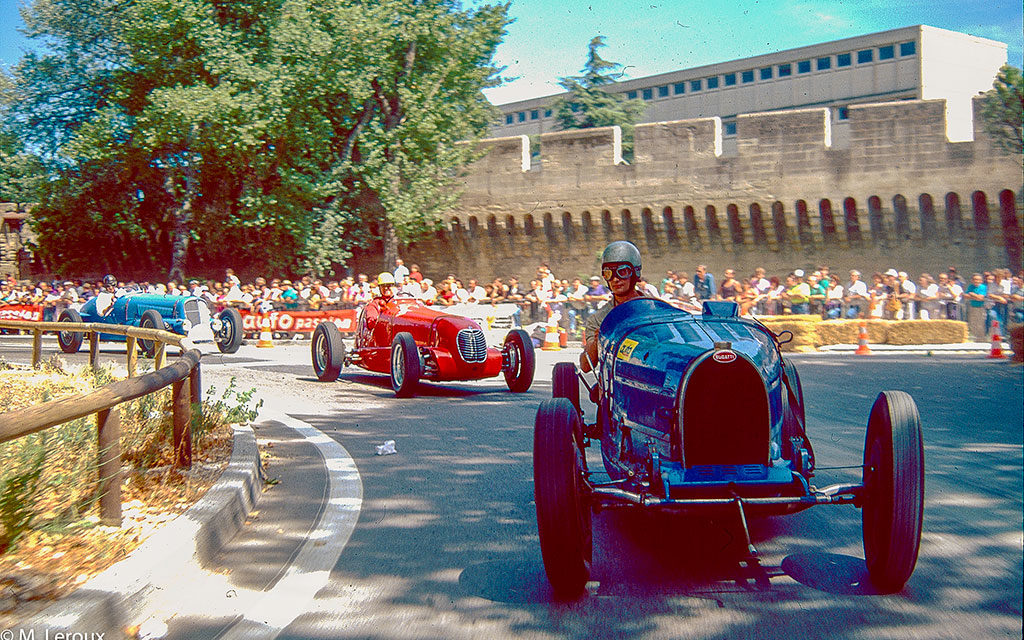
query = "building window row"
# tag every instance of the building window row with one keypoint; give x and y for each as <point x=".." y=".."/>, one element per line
<point x="784" y="70"/>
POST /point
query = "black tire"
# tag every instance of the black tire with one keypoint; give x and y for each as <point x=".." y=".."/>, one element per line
<point x="151" y="319"/>
<point x="565" y="383"/>
<point x="229" y="338"/>
<point x="69" y="341"/>
<point x="328" y="352"/>
<point x="406" y="367"/>
<point x="520" y="361"/>
<point x="893" y="506"/>
<point x="563" y="513"/>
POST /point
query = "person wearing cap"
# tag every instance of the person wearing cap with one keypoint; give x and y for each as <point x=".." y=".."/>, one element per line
<point x="906" y="291"/>
<point x="621" y="269"/>
<point x="856" y="295"/>
<point x="385" y="286"/>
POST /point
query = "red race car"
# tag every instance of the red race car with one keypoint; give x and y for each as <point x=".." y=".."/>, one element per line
<point x="399" y="335"/>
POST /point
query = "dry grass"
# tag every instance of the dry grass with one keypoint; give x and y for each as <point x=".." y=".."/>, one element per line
<point x="66" y="544"/>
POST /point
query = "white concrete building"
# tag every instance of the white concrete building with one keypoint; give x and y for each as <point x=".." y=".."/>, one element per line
<point x="918" y="62"/>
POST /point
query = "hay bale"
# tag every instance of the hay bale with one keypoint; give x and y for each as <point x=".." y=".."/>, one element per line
<point x="803" y="332"/>
<point x="927" y="332"/>
<point x="837" y="332"/>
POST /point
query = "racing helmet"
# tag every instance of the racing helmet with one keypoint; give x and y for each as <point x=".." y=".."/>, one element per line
<point x="109" y="281"/>
<point x="385" y="278"/>
<point x="622" y="251"/>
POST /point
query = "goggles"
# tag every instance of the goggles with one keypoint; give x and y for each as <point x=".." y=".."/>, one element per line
<point x="623" y="271"/>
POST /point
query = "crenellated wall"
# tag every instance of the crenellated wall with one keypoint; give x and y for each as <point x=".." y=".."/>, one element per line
<point x="884" y="188"/>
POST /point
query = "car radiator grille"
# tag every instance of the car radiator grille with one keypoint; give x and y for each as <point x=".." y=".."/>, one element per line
<point x="472" y="345"/>
<point x="192" y="312"/>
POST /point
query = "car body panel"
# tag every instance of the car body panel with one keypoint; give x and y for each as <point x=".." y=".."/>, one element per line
<point x="178" y="312"/>
<point x="436" y="333"/>
<point x="652" y="356"/>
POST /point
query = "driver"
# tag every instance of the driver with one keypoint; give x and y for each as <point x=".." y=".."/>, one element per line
<point x="105" y="298"/>
<point x="386" y="285"/>
<point x="620" y="266"/>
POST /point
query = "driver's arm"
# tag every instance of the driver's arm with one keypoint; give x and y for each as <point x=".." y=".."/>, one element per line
<point x="589" y="354"/>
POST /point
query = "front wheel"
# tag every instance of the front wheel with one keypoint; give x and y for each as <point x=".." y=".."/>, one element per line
<point x="565" y="383"/>
<point x="893" y="507"/>
<point x="519" y="361"/>
<point x="328" y="352"/>
<point x="229" y="338"/>
<point x="69" y="341"/>
<point x="406" y="367"/>
<point x="151" y="319"/>
<point x="563" y="512"/>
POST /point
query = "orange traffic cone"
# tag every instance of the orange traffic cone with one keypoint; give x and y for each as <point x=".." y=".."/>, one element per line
<point x="563" y="338"/>
<point x="266" y="338"/>
<point x="862" y="341"/>
<point x="997" y="342"/>
<point x="551" y="339"/>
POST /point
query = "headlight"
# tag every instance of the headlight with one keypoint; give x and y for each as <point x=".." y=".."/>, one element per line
<point x="216" y="324"/>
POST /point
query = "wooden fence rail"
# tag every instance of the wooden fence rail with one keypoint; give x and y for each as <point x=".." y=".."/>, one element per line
<point x="104" y="401"/>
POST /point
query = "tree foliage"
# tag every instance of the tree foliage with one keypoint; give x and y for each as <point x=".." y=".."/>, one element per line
<point x="1003" y="110"/>
<point x="198" y="134"/>
<point x="592" y="102"/>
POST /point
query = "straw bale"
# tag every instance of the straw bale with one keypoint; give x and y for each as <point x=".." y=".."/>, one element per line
<point x="927" y="332"/>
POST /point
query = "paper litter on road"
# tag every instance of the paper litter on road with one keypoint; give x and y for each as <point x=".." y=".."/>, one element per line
<point x="387" y="448"/>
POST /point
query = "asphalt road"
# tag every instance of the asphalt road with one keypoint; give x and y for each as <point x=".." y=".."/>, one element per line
<point x="445" y="545"/>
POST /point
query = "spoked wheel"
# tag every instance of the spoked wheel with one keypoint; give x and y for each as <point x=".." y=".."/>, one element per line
<point x="520" y="361"/>
<point x="229" y="338"/>
<point x="69" y="341"/>
<point x="563" y="511"/>
<point x="406" y="367"/>
<point x="894" y="490"/>
<point x="151" y="319"/>
<point x="328" y="352"/>
<point x="566" y="384"/>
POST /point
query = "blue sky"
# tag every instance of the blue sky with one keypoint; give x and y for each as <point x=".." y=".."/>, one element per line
<point x="548" y="38"/>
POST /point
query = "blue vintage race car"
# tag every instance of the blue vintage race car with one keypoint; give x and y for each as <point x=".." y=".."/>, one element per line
<point x="698" y="413"/>
<point x="186" y="315"/>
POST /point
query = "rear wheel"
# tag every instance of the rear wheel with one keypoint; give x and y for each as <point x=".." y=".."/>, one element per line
<point x="328" y="352"/>
<point x="406" y="367"/>
<point x="151" y="319"/>
<point x="229" y="338"/>
<point x="520" y="361"/>
<point x="563" y="512"/>
<point x="69" y="341"/>
<point x="894" y="490"/>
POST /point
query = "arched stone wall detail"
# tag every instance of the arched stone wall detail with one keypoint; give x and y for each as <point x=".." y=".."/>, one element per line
<point x="1012" y="237"/>
<point x="926" y="208"/>
<point x="692" y="232"/>
<point x="899" y="210"/>
<point x="804" y="230"/>
<point x="757" y="225"/>
<point x="828" y="222"/>
<point x="954" y="217"/>
<point x="853" y="235"/>
<point x="876" y="222"/>
<point x="714" y="229"/>
<point x="671" y="231"/>
<point x="732" y="213"/>
<point x="779" y="223"/>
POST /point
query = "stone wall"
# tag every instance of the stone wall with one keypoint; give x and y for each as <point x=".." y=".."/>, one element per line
<point x="894" y="193"/>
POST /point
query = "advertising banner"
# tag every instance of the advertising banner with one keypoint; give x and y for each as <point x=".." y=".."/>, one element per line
<point x="21" y="312"/>
<point x="300" y="321"/>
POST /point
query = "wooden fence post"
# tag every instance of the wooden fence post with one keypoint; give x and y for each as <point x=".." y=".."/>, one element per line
<point x="94" y="348"/>
<point x="133" y="356"/>
<point x="108" y="434"/>
<point x="160" y="356"/>
<point x="37" y="347"/>
<point x="195" y="388"/>
<point x="182" y="432"/>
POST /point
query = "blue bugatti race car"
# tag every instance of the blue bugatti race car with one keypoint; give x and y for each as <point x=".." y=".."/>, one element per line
<point x="186" y="315"/>
<point x="701" y="413"/>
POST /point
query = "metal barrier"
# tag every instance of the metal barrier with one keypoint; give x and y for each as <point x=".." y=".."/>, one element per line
<point x="104" y="401"/>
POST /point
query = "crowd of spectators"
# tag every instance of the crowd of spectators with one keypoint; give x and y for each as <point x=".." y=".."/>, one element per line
<point x="984" y="298"/>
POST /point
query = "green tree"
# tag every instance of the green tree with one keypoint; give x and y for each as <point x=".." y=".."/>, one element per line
<point x="592" y="100"/>
<point x="1003" y="110"/>
<point x="281" y="132"/>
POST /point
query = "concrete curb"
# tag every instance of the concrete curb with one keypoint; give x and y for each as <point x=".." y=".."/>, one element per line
<point x="106" y="602"/>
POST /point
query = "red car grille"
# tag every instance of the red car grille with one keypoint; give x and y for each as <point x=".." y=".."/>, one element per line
<point x="472" y="345"/>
